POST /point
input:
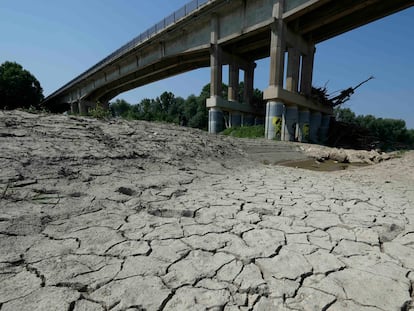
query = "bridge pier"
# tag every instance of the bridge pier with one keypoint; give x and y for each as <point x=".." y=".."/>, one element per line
<point x="273" y="121"/>
<point x="74" y="108"/>
<point x="289" y="99"/>
<point x="303" y="125"/>
<point x="83" y="107"/>
<point x="289" y="123"/>
<point x="215" y="120"/>
<point x="324" y="128"/>
<point x="215" y="114"/>
<point x="240" y="114"/>
<point x="315" y="124"/>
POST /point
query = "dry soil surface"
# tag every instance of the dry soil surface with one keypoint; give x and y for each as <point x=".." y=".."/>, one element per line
<point x="138" y="216"/>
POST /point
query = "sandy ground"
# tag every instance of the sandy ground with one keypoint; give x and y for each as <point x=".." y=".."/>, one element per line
<point x="138" y="216"/>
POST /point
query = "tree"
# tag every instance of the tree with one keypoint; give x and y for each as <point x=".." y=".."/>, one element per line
<point x="388" y="132"/>
<point x="120" y="108"/>
<point x="18" y="87"/>
<point x="345" y="115"/>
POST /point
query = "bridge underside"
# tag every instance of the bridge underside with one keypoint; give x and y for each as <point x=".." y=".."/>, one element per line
<point x="237" y="33"/>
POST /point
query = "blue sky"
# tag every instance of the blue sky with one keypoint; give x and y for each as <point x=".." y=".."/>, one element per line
<point x="57" y="40"/>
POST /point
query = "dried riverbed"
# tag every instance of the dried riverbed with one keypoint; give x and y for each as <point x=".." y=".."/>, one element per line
<point x="140" y="216"/>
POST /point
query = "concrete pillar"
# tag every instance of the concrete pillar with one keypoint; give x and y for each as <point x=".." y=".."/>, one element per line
<point x="307" y="72"/>
<point x="216" y="68"/>
<point x="289" y="123"/>
<point x="292" y="78"/>
<point x="277" y="52"/>
<point x="74" y="108"/>
<point x="233" y="83"/>
<point x="249" y="83"/>
<point x="275" y="108"/>
<point x="273" y="126"/>
<point x="215" y="115"/>
<point x="83" y="110"/>
<point x="303" y="126"/>
<point x="235" y="119"/>
<point x="315" y="124"/>
<point x="215" y="120"/>
<point x="324" y="128"/>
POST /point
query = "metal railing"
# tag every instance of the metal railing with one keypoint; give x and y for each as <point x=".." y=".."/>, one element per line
<point x="184" y="11"/>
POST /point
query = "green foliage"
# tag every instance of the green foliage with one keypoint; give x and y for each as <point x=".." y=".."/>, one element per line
<point x="18" y="87"/>
<point x="391" y="133"/>
<point x="256" y="131"/>
<point x="99" y="112"/>
<point x="120" y="108"/>
<point x="345" y="115"/>
<point x="168" y="108"/>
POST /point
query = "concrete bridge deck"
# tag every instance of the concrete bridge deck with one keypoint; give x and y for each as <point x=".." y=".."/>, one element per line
<point x="236" y="33"/>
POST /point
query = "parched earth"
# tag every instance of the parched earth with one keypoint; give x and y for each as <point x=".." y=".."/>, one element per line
<point x="138" y="216"/>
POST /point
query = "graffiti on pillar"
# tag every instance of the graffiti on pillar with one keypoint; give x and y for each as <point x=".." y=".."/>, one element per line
<point x="277" y="123"/>
<point x="305" y="132"/>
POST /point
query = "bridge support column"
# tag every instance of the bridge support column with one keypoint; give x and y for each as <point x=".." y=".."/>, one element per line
<point x="324" y="128"/>
<point x="74" y="108"/>
<point x="83" y="110"/>
<point x="235" y="117"/>
<point x="292" y="78"/>
<point x="289" y="123"/>
<point x="249" y="83"/>
<point x="215" y="120"/>
<point x="274" y="106"/>
<point x="273" y="126"/>
<point x="215" y="115"/>
<point x="303" y="126"/>
<point x="233" y="89"/>
<point x="307" y="72"/>
<point x="315" y="124"/>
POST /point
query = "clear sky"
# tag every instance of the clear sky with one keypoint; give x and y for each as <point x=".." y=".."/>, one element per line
<point x="57" y="40"/>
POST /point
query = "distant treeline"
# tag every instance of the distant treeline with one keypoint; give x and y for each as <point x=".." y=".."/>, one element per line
<point x="387" y="133"/>
<point x="192" y="112"/>
<point x="167" y="107"/>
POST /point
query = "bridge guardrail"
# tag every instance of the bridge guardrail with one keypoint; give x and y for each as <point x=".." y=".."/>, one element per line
<point x="184" y="11"/>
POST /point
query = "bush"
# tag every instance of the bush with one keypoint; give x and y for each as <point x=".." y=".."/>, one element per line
<point x="100" y="112"/>
<point x="256" y="131"/>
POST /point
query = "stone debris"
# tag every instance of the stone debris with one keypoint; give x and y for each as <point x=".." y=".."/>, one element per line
<point x="138" y="216"/>
<point x="321" y="153"/>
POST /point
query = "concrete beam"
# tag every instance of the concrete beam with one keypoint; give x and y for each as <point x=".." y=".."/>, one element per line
<point x="219" y="102"/>
<point x="274" y="93"/>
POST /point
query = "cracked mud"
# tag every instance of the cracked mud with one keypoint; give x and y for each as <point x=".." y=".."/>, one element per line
<point x="139" y="216"/>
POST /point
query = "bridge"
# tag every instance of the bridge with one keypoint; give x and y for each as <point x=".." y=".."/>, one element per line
<point x="214" y="33"/>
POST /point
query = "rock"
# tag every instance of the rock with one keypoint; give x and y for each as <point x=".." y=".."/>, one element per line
<point x="43" y="299"/>
<point x="366" y="289"/>
<point x="148" y="293"/>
